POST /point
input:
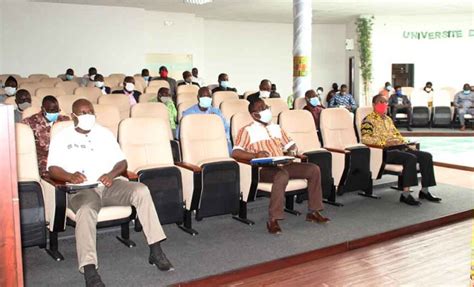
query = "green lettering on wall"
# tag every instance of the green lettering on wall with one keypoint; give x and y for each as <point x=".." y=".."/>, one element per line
<point x="432" y="35"/>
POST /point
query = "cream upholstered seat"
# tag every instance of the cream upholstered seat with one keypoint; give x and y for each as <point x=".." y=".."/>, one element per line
<point x="231" y="107"/>
<point x="112" y="81"/>
<point x="300" y="103"/>
<point x="277" y="106"/>
<point x="120" y="101"/>
<point x="55" y="92"/>
<point x="223" y="184"/>
<point x="90" y="93"/>
<point x="152" y="110"/>
<point x="140" y="84"/>
<point x="300" y="127"/>
<point x="108" y="116"/>
<point x="351" y="160"/>
<point x="248" y="93"/>
<point x="32" y="87"/>
<point x="146" y="146"/>
<point x="184" y="106"/>
<point x="187" y="89"/>
<point x="147" y="97"/>
<point x="219" y="97"/>
<point x="118" y="76"/>
<point x="38" y="77"/>
<point x="51" y="81"/>
<point x="186" y="97"/>
<point x="65" y="103"/>
<point x="157" y="84"/>
<point x="67" y="86"/>
<point x="153" y="89"/>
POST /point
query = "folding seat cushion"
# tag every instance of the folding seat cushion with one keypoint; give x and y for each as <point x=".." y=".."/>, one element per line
<point x="55" y="92"/>
<point x="231" y="107"/>
<point x="191" y="89"/>
<point x="442" y="114"/>
<point x="108" y="116"/>
<point x="186" y="97"/>
<point x="219" y="97"/>
<point x="351" y="160"/>
<point x="147" y="148"/>
<point x="277" y="106"/>
<point x="67" y="86"/>
<point x="420" y="109"/>
<point x="120" y="101"/>
<point x="90" y="93"/>
<point x="300" y="103"/>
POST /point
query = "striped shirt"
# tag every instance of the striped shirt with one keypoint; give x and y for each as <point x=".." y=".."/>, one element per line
<point x="256" y="137"/>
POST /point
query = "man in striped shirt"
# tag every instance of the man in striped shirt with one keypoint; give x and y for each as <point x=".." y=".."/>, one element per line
<point x="265" y="139"/>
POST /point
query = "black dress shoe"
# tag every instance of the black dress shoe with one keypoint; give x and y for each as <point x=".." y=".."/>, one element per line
<point x="410" y="200"/>
<point x="428" y="196"/>
<point x="93" y="280"/>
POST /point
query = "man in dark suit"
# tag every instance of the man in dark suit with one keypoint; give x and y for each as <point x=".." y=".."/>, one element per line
<point x="264" y="92"/>
<point x="223" y="80"/>
<point x="399" y="103"/>
<point x="188" y="80"/>
<point x="129" y="90"/>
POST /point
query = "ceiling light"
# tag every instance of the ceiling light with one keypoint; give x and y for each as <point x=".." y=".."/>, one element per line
<point x="197" y="2"/>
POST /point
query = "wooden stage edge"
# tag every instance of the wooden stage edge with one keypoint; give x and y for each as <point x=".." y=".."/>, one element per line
<point x="274" y="265"/>
<point x="454" y="166"/>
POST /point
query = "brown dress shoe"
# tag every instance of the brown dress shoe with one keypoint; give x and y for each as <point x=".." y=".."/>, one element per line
<point x="273" y="227"/>
<point x="316" y="217"/>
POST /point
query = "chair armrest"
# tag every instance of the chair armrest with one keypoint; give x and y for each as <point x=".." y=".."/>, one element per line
<point x="130" y="175"/>
<point x="375" y="146"/>
<point x="244" y="161"/>
<point x="337" y="150"/>
<point x="302" y="157"/>
<point x="55" y="183"/>
<point x="189" y="166"/>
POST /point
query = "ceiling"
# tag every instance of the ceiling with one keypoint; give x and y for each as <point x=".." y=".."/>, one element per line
<point x="280" y="11"/>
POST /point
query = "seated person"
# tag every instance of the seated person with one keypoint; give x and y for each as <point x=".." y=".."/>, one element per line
<point x="378" y="129"/>
<point x="22" y="102"/>
<point x="224" y="85"/>
<point x="165" y="98"/>
<point x="399" y="103"/>
<point x="264" y="92"/>
<point x="274" y="93"/>
<point x="129" y="90"/>
<point x="187" y="79"/>
<point x="99" y="83"/>
<point x="88" y="152"/>
<point x="10" y="87"/>
<point x="164" y="76"/>
<point x="329" y="96"/>
<point x="343" y="100"/>
<point x="146" y="76"/>
<point x="335" y="87"/>
<point x="88" y="80"/>
<point x="387" y="90"/>
<point x="313" y="105"/>
<point x="196" y="77"/>
<point x="428" y="89"/>
<point x="262" y="138"/>
<point x="204" y="106"/>
<point x="464" y="103"/>
<point x="69" y="76"/>
<point x="41" y="124"/>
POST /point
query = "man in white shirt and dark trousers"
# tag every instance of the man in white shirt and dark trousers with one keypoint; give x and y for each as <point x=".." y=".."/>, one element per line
<point x="87" y="153"/>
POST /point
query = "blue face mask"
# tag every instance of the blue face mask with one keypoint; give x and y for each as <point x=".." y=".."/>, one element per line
<point x="69" y="77"/>
<point x="225" y="84"/>
<point x="389" y="88"/>
<point x="466" y="92"/>
<point x="399" y="93"/>
<point x="52" y="117"/>
<point x="314" y="101"/>
<point x="205" y="102"/>
<point x="146" y="78"/>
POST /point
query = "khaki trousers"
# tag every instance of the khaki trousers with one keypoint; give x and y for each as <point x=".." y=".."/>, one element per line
<point x="86" y="205"/>
<point x="280" y="176"/>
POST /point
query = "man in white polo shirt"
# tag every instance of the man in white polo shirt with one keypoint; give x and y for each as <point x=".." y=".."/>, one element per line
<point x="89" y="153"/>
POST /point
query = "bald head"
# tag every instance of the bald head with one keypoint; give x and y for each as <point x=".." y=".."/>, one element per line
<point x="82" y="107"/>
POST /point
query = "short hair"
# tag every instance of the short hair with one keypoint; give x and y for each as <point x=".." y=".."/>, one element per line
<point x="98" y="76"/>
<point x="92" y="70"/>
<point x="398" y="87"/>
<point x="307" y="93"/>
<point x="163" y="68"/>
<point x="128" y="79"/>
<point x="186" y="73"/>
<point x="387" y="84"/>
<point x="162" y="90"/>
<point x="21" y="93"/>
<point x="264" y="81"/>
<point x="80" y="102"/>
<point x="221" y="75"/>
<point x="49" y="99"/>
<point x="343" y="86"/>
<point x="252" y="105"/>
<point x="11" y="80"/>
<point x="70" y="71"/>
<point x="376" y="97"/>
<point x="429" y="83"/>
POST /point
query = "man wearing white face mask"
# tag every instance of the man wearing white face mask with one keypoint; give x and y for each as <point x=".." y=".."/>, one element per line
<point x="99" y="83"/>
<point x="129" y="90"/>
<point x="264" y="92"/>
<point x="262" y="138"/>
<point x="89" y="78"/>
<point x="88" y="152"/>
<point x="11" y="86"/>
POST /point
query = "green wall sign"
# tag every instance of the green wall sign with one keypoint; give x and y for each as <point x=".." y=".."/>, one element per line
<point x="432" y="35"/>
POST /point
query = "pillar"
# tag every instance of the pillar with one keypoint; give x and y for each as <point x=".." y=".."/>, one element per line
<point x="302" y="18"/>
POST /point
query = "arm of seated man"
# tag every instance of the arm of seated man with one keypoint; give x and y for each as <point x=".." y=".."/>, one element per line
<point x="119" y="168"/>
<point x="240" y="154"/>
<point x="59" y="174"/>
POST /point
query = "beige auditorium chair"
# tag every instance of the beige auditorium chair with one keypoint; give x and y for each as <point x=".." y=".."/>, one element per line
<point x="51" y="81"/>
<point x="351" y="160"/>
<point x="30" y="111"/>
<point x="219" y="97"/>
<point x="157" y="84"/>
<point x="118" y="76"/>
<point x="277" y="106"/>
<point x="56" y="200"/>
<point x="32" y="87"/>
<point x="38" y="77"/>
<point x="295" y="187"/>
<point x="147" y="149"/>
<point x="67" y="86"/>
<point x="120" y="101"/>
<point x="112" y="81"/>
<point x="187" y="89"/>
<point x="248" y="93"/>
<point x="140" y="84"/>
<point x="186" y="97"/>
<point x="300" y="103"/>
<point x="55" y="92"/>
<point x="65" y="103"/>
<point x="108" y="116"/>
<point x="184" y="106"/>
<point x="90" y="93"/>
<point x="152" y="90"/>
<point x="231" y="107"/>
<point x="221" y="184"/>
<point x="147" y="97"/>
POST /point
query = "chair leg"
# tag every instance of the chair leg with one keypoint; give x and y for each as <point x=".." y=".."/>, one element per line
<point x="125" y="236"/>
<point x="399" y="185"/>
<point x="242" y="217"/>
<point x="53" y="247"/>
<point x="332" y="198"/>
<point x="368" y="191"/>
<point x="187" y="224"/>
<point x="138" y="225"/>
<point x="290" y="206"/>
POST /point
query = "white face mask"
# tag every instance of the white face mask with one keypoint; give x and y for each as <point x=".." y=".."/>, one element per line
<point x="264" y="94"/>
<point x="92" y="77"/>
<point x="165" y="99"/>
<point x="319" y="92"/>
<point x="129" y="87"/>
<point x="85" y="122"/>
<point x="266" y="116"/>
<point x="99" y="84"/>
<point x="10" y="91"/>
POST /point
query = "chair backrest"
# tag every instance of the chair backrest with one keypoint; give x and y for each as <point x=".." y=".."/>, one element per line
<point x="203" y="138"/>
<point x="146" y="98"/>
<point x="51" y="81"/>
<point x="118" y="76"/>
<point x="219" y="97"/>
<point x="442" y="98"/>
<point x="90" y="93"/>
<point x="184" y="106"/>
<point x="186" y="97"/>
<point x="112" y="81"/>
<point x="120" y="101"/>
<point x="67" y="86"/>
<point x="43" y="92"/>
<point x="231" y="107"/>
<point x="30" y="111"/>
<point x="59" y="126"/>
<point x="140" y="84"/>
<point x="152" y="89"/>
<point x="407" y="91"/>
<point x="108" y="116"/>
<point x="27" y="162"/>
<point x="187" y="89"/>
<point x="238" y="121"/>
<point x="157" y="84"/>
<point x="248" y="93"/>
<point x="38" y="77"/>
<point x="152" y="110"/>
<point x="145" y="143"/>
<point x="299" y="125"/>
<point x="32" y="87"/>
<point x="419" y="98"/>
<point x="35" y="102"/>
<point x="65" y="103"/>
<point x="277" y="106"/>
<point x="360" y="115"/>
<point x="300" y="103"/>
<point x="3" y="77"/>
<point x="337" y="128"/>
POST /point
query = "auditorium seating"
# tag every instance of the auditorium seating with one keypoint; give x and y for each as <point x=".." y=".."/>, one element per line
<point x="108" y="116"/>
<point x="112" y="82"/>
<point x="184" y="106"/>
<point x="157" y="84"/>
<point x="299" y="103"/>
<point x="118" y="76"/>
<point x="421" y="111"/>
<point x="248" y="93"/>
<point x="186" y="97"/>
<point x="219" y="97"/>
<point x="231" y="107"/>
<point x="65" y="103"/>
<point x="147" y="97"/>
<point x="51" y="81"/>
<point x="35" y="102"/>
<point x="191" y="89"/>
<point x="277" y="106"/>
<point x="32" y="87"/>
<point x="67" y="86"/>
<point x="441" y="111"/>
<point x="38" y="77"/>
<point x="121" y="101"/>
<point x="140" y="84"/>
<point x="55" y="92"/>
<point x="30" y="111"/>
<point x="90" y="93"/>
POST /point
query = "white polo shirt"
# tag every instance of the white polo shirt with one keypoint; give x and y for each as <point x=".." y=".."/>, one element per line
<point x="92" y="154"/>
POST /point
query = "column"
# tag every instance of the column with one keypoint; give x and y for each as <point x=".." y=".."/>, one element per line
<point x="302" y="18"/>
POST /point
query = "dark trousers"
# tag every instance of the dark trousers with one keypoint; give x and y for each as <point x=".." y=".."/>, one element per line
<point x="406" y="110"/>
<point x="409" y="158"/>
<point x="280" y="176"/>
